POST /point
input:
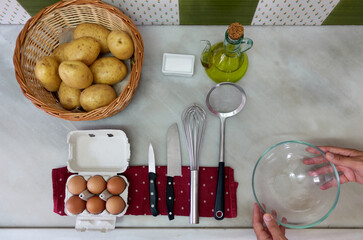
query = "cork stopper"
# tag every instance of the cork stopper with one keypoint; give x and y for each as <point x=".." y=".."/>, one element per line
<point x="235" y="31"/>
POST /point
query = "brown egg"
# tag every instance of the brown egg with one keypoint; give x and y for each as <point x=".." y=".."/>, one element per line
<point x="96" y="184"/>
<point x="95" y="205"/>
<point x="75" y="205"/>
<point x="116" y="185"/>
<point x="77" y="185"/>
<point x="115" y="205"/>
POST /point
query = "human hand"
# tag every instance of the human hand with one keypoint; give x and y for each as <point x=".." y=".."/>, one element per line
<point x="272" y="231"/>
<point x="347" y="161"/>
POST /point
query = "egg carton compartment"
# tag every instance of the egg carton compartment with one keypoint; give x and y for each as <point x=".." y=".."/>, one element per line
<point x="104" y="196"/>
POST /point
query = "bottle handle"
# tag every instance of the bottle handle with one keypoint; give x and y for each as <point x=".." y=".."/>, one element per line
<point x="246" y="44"/>
<point x="205" y="57"/>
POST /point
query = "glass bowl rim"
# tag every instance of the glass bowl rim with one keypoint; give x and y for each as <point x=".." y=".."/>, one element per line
<point x="335" y="173"/>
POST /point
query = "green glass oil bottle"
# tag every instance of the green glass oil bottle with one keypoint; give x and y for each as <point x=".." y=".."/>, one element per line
<point x="227" y="61"/>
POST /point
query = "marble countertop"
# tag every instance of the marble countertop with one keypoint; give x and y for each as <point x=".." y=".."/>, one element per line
<point x="303" y="83"/>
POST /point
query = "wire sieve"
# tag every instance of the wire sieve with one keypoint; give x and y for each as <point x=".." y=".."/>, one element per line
<point x="224" y="100"/>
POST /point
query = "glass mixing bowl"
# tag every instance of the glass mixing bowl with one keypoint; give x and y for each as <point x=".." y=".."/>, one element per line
<point x="282" y="185"/>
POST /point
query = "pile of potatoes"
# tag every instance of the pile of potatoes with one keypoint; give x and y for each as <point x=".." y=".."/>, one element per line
<point x="80" y="71"/>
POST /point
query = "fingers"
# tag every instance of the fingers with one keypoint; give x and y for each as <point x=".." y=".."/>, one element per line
<point x="273" y="227"/>
<point x="343" y="161"/>
<point x="274" y="213"/>
<point x="320" y="171"/>
<point x="342" y="151"/>
<point x="312" y="150"/>
<point x="329" y="184"/>
<point x="333" y="183"/>
<point x="276" y="231"/>
<point x="256" y="218"/>
<point x="315" y="160"/>
<point x="257" y="222"/>
<point x="264" y="207"/>
<point x="325" y="170"/>
<point x="283" y="228"/>
<point x="334" y="154"/>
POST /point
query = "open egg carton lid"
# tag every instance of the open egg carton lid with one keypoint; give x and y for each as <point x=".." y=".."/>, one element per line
<point x="105" y="152"/>
<point x="98" y="152"/>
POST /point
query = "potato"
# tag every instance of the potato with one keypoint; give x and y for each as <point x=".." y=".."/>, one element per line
<point x="95" y="31"/>
<point x="108" y="70"/>
<point x="58" y="53"/>
<point x="96" y="96"/>
<point x="85" y="49"/>
<point x="69" y="97"/>
<point x="75" y="74"/>
<point x="120" y="44"/>
<point x="46" y="71"/>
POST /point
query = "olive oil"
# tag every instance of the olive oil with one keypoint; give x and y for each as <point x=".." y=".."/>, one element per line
<point x="227" y="61"/>
<point x="224" y="68"/>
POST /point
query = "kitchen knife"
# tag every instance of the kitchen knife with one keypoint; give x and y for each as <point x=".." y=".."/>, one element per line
<point x="173" y="166"/>
<point x="152" y="182"/>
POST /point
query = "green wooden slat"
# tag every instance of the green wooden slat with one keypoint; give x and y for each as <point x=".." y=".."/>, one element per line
<point x="347" y="12"/>
<point x="216" y="12"/>
<point x="34" y="6"/>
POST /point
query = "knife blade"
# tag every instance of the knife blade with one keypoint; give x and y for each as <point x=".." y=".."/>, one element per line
<point x="152" y="182"/>
<point x="173" y="166"/>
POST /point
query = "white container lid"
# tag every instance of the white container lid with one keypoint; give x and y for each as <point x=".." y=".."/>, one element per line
<point x="105" y="152"/>
<point x="178" y="65"/>
<point x="102" y="224"/>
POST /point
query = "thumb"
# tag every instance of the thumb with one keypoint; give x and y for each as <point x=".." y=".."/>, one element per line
<point x="273" y="227"/>
<point x="341" y="160"/>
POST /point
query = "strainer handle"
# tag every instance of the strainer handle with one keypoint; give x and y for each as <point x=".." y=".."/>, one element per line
<point x="219" y="204"/>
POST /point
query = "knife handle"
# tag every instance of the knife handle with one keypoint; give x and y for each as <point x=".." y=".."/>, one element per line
<point x="219" y="204"/>
<point x="170" y="197"/>
<point x="153" y="194"/>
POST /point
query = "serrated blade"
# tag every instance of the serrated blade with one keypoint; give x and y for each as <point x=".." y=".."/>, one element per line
<point x="173" y="151"/>
<point x="151" y="159"/>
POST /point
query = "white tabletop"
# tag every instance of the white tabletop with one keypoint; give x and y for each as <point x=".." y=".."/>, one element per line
<point x="303" y="83"/>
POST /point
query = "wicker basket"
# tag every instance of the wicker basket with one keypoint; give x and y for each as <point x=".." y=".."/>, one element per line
<point x="40" y="36"/>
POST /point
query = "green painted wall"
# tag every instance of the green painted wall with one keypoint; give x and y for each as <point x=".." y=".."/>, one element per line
<point x="224" y="12"/>
<point x="216" y="12"/>
<point x="34" y="6"/>
<point x="347" y="12"/>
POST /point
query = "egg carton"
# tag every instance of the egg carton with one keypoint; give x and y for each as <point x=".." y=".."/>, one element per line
<point x="98" y="152"/>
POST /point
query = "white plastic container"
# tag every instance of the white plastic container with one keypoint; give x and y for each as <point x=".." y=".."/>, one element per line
<point x="178" y="65"/>
<point x="98" y="152"/>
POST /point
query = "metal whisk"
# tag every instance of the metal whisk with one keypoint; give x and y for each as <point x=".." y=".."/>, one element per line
<point x="194" y="119"/>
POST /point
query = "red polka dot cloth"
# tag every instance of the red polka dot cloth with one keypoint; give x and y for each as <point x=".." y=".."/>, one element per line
<point x="138" y="197"/>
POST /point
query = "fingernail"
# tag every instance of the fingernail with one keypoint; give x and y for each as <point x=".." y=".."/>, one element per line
<point x="267" y="217"/>
<point x="329" y="156"/>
